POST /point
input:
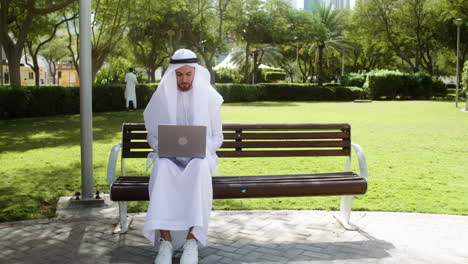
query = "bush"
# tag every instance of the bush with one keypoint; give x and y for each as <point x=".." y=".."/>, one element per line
<point x="439" y="88"/>
<point x="390" y="84"/>
<point x="286" y="92"/>
<point x="31" y="101"/>
<point x="271" y="76"/>
<point x="13" y="102"/>
<point x="115" y="72"/>
<point x="354" y="79"/>
<point x="226" y="75"/>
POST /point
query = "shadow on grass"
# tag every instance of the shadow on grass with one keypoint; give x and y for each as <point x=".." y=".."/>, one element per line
<point x="35" y="195"/>
<point x="31" y="133"/>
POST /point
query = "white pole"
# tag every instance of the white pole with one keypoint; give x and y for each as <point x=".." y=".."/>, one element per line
<point x="458" y="66"/>
<point x="86" y="112"/>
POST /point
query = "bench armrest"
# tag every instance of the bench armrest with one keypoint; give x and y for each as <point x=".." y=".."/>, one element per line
<point x="362" y="160"/>
<point x="112" y="163"/>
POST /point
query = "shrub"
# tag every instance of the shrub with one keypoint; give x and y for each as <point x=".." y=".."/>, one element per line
<point x="439" y="88"/>
<point x="286" y="92"/>
<point x="226" y="75"/>
<point x="390" y="84"/>
<point x="30" y="101"/>
<point x="13" y="102"/>
<point x="354" y="79"/>
<point x="271" y="76"/>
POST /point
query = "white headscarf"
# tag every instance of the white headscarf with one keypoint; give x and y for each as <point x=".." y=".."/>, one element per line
<point x="162" y="108"/>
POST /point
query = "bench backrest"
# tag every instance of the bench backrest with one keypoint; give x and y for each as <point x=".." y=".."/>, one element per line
<point x="259" y="140"/>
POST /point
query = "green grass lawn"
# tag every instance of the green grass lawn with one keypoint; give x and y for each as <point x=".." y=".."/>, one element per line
<point x="416" y="151"/>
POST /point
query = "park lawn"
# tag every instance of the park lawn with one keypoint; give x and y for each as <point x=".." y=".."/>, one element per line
<point x="416" y="151"/>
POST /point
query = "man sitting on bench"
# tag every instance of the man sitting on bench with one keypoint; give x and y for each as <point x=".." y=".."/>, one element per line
<point x="181" y="192"/>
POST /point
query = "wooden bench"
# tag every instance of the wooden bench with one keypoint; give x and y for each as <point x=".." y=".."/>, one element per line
<point x="255" y="140"/>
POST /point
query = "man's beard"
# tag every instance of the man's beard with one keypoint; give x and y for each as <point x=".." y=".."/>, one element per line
<point x="185" y="86"/>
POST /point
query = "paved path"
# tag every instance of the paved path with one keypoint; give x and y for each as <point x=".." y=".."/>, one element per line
<point x="250" y="237"/>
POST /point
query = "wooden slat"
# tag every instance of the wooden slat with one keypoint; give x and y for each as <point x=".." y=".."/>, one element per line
<point x="141" y="126"/>
<point x="293" y="135"/>
<point x="135" y="135"/>
<point x="281" y="153"/>
<point x="136" y="131"/>
<point x="135" y="154"/>
<point x="283" y="144"/>
<point x="266" y="153"/>
<point x="138" y="145"/>
<point x="286" y="126"/>
<point x="134" y="126"/>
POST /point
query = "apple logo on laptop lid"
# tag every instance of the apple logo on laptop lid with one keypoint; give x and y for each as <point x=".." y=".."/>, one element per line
<point x="183" y="141"/>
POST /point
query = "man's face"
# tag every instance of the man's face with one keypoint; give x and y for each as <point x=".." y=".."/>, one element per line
<point x="185" y="75"/>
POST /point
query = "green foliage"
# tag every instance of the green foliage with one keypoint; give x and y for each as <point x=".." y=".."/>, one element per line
<point x="353" y="79"/>
<point x="271" y="76"/>
<point x="390" y="84"/>
<point x="47" y="100"/>
<point x="115" y="73"/>
<point x="439" y="88"/>
<point x="226" y="75"/>
<point x="286" y="92"/>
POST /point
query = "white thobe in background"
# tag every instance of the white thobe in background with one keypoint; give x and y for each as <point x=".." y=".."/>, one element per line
<point x="130" y="94"/>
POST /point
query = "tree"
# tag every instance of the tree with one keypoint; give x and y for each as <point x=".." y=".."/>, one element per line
<point x="15" y="25"/>
<point x="109" y="26"/>
<point x="47" y="26"/>
<point x="407" y="26"/>
<point x="149" y="33"/>
<point x="327" y="34"/>
<point x="53" y="52"/>
<point x="205" y="29"/>
<point x="256" y="22"/>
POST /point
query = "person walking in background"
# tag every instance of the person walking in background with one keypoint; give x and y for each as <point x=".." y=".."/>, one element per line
<point x="130" y="94"/>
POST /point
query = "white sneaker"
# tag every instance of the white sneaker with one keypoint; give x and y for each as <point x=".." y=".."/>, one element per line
<point x="190" y="255"/>
<point x="164" y="253"/>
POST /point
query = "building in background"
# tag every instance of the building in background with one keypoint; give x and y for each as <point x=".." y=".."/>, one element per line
<point x="67" y="74"/>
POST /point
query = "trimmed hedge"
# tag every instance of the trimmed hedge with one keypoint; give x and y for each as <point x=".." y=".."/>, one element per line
<point x="393" y="84"/>
<point x="31" y="101"/>
<point x="353" y="79"/>
<point x="271" y="76"/>
<point x="286" y="92"/>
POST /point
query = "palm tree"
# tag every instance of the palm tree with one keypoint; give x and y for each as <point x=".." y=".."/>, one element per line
<point x="327" y="35"/>
<point x="260" y="53"/>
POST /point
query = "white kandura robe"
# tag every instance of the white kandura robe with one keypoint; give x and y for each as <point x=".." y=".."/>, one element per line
<point x="181" y="191"/>
<point x="130" y="94"/>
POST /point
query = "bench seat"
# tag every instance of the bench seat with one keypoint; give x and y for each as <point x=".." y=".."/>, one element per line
<point x="135" y="188"/>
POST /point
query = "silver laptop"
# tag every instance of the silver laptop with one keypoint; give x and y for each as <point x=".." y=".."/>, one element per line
<point x="181" y="141"/>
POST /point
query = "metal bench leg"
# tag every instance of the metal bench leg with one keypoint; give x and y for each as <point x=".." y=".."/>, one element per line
<point x="124" y="221"/>
<point x="344" y="214"/>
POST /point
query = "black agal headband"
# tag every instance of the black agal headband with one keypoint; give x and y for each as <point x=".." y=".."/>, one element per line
<point x="191" y="60"/>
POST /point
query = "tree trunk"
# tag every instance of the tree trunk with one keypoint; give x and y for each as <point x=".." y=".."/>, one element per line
<point x="246" y="71"/>
<point x="151" y="74"/>
<point x="14" y="58"/>
<point x="254" y="67"/>
<point x="320" y="65"/>
<point x="209" y="67"/>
